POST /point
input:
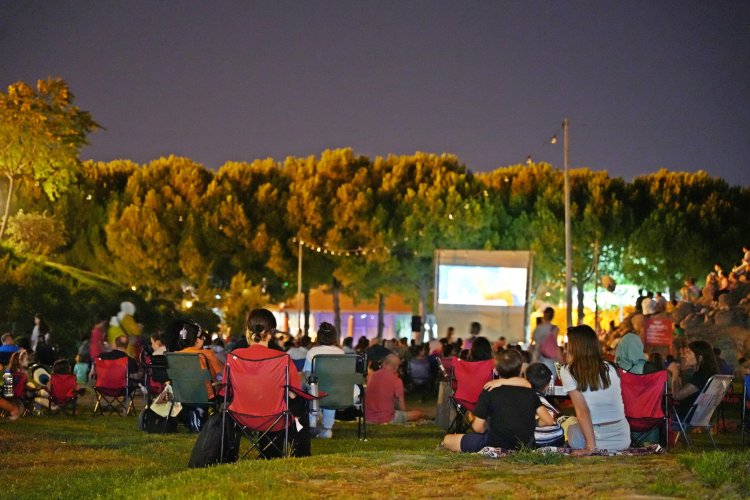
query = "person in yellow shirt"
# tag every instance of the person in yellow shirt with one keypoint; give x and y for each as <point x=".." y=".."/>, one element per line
<point x="123" y="323"/>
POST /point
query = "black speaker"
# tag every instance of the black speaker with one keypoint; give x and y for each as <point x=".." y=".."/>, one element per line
<point x="416" y="323"/>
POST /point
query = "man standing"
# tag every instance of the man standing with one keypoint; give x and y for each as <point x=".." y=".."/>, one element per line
<point x="385" y="401"/>
<point x="474" y="330"/>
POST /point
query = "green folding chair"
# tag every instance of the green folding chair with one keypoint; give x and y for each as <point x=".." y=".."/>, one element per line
<point x="337" y="375"/>
<point x="190" y="379"/>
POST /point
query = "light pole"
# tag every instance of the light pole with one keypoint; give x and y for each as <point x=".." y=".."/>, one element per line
<point x="299" y="286"/>
<point x="568" y="252"/>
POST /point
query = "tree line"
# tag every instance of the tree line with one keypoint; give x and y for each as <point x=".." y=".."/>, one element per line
<point x="369" y="227"/>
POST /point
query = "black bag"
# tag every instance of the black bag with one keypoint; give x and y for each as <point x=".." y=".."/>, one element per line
<point x="152" y="423"/>
<point x="207" y="448"/>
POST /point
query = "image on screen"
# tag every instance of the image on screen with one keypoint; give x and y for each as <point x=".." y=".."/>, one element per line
<point x="481" y="285"/>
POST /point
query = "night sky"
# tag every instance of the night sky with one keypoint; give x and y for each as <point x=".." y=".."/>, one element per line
<point x="645" y="84"/>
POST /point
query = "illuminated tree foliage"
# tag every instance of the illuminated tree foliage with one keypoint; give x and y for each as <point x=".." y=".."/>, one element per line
<point x="41" y="134"/>
<point x="152" y="234"/>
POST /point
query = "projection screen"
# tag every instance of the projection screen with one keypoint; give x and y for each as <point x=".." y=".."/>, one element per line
<point x="491" y="287"/>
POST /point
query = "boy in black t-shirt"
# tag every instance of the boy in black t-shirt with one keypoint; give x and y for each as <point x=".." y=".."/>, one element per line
<point x="503" y="417"/>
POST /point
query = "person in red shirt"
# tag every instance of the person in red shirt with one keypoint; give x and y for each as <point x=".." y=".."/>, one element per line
<point x="385" y="396"/>
<point x="98" y="336"/>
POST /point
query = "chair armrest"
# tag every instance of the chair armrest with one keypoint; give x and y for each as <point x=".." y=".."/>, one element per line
<point x="304" y="394"/>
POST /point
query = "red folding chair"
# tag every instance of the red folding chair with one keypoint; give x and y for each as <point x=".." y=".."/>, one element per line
<point x="257" y="400"/>
<point x="646" y="404"/>
<point x="62" y="393"/>
<point x="467" y="380"/>
<point x="112" y="387"/>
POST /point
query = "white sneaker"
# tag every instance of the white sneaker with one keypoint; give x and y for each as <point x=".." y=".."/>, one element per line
<point x="325" y="434"/>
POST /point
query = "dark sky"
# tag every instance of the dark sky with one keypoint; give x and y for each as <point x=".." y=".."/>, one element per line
<point x="646" y="84"/>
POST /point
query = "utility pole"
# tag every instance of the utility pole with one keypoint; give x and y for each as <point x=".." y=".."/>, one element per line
<point x="568" y="251"/>
<point x="299" y="286"/>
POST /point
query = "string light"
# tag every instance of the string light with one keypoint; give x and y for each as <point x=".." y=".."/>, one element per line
<point x="326" y="249"/>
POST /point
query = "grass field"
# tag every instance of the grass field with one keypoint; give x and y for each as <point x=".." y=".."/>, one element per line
<point x="87" y="457"/>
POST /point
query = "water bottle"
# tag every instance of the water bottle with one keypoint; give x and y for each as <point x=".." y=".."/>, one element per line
<point x="314" y="403"/>
<point x="443" y="371"/>
<point x="8" y="385"/>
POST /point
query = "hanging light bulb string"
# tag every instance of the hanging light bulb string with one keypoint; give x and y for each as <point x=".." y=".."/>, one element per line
<point x="327" y="249"/>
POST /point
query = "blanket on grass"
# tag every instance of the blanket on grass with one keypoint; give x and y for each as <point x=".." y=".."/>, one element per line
<point x="653" y="449"/>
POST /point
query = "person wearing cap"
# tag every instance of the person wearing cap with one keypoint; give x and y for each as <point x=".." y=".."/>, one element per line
<point x="385" y="401"/>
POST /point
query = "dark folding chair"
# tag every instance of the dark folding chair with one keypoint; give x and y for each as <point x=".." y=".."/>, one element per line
<point x="646" y="404"/>
<point x="191" y="381"/>
<point x="337" y="375"/>
<point x="62" y="393"/>
<point x="467" y="380"/>
<point x="112" y="386"/>
<point x="257" y="400"/>
<point x="700" y="413"/>
<point x="154" y="375"/>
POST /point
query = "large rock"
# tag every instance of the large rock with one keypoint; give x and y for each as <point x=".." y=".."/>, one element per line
<point x="730" y="317"/>
<point x="734" y="341"/>
<point x="682" y="310"/>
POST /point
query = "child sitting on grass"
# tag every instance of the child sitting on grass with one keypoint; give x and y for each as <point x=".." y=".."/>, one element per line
<point x="504" y="417"/>
<point x="538" y="377"/>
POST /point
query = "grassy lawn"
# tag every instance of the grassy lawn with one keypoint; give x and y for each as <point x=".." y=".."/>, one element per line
<point x="83" y="457"/>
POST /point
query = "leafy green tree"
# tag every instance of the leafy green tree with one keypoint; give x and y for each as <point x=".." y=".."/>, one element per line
<point x="312" y="210"/>
<point x="153" y="234"/>
<point x="244" y="221"/>
<point x="426" y="202"/>
<point x="84" y="211"/>
<point x="41" y="135"/>
<point x="35" y="233"/>
<point x="685" y="223"/>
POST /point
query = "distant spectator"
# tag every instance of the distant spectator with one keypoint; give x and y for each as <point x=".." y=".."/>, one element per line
<point x="327" y="340"/>
<point x="385" y="401"/>
<point x="45" y="352"/>
<point x="661" y="303"/>
<point x="474" y="330"/>
<point x="689" y="292"/>
<point x="500" y="345"/>
<point x="481" y="350"/>
<point x="630" y="356"/>
<point x="98" y="337"/>
<point x="40" y="330"/>
<point x="348" y="345"/>
<point x="724" y="367"/>
<point x="7" y="348"/>
<point x="157" y="345"/>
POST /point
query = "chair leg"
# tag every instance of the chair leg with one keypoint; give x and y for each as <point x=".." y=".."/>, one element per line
<point x="708" y="429"/>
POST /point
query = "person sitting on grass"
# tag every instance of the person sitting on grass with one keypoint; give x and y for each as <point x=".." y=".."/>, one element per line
<point x="538" y="377"/>
<point x="504" y="417"/>
<point x="594" y="389"/>
<point x="385" y="401"/>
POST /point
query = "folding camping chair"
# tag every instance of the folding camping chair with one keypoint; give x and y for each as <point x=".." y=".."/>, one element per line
<point x="467" y="380"/>
<point x="112" y="387"/>
<point x="338" y="375"/>
<point x="257" y="400"/>
<point x="700" y="413"/>
<point x="62" y="393"/>
<point x="154" y="375"/>
<point x="745" y="408"/>
<point x="190" y="378"/>
<point x="646" y="404"/>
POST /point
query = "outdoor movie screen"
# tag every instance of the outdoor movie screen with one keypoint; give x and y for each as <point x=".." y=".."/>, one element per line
<point x="482" y="286"/>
